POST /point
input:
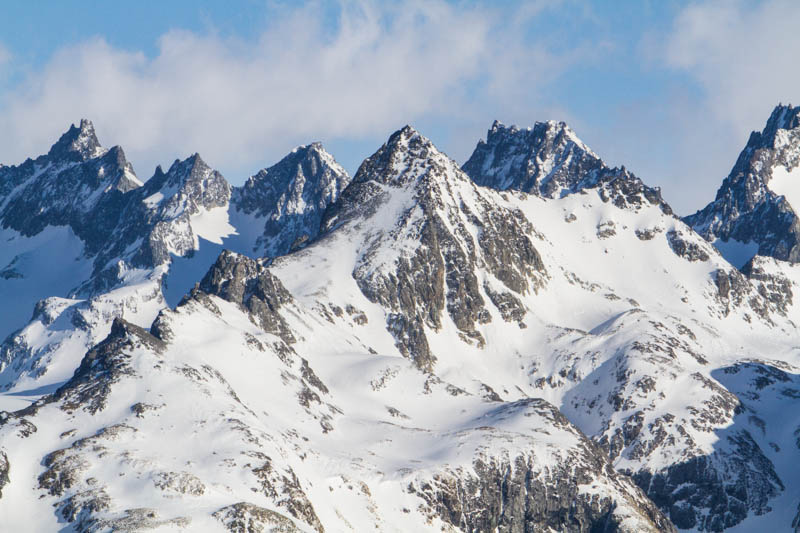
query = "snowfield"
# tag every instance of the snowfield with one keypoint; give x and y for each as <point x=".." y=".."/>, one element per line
<point x="534" y="342"/>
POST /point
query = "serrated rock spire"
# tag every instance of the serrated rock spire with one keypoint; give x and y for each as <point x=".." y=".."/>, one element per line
<point x="752" y="206"/>
<point x="77" y="143"/>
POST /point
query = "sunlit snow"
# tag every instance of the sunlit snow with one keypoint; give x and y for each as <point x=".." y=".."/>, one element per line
<point x="786" y="183"/>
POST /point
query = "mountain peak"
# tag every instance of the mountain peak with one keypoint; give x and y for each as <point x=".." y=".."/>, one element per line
<point x="191" y="169"/>
<point x="549" y="160"/>
<point x="308" y="151"/>
<point x="756" y="205"/>
<point x="546" y="159"/>
<point x="196" y="162"/>
<point x="784" y="117"/>
<point x="291" y="196"/>
<point x="403" y="159"/>
<point x="78" y="143"/>
<point x="408" y="131"/>
<point x="559" y="134"/>
<point x="308" y="161"/>
<point x="315" y="146"/>
<point x="407" y="162"/>
<point x="188" y="186"/>
<point x="403" y="136"/>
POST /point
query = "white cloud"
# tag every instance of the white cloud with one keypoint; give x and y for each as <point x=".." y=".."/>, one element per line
<point x="725" y="65"/>
<point x="240" y="103"/>
<point x="742" y="54"/>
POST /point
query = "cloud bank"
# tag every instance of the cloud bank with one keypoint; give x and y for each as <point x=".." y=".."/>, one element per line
<point x="724" y="65"/>
<point x="743" y="54"/>
<point x="353" y="71"/>
<point x="239" y="103"/>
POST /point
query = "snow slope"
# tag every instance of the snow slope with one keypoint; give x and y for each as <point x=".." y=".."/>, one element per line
<point x="435" y="355"/>
<point x="784" y="183"/>
<point x="589" y="336"/>
<point x="114" y="247"/>
<point x="232" y="416"/>
<point x="50" y="263"/>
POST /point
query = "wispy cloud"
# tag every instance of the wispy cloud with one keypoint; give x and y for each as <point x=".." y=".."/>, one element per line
<point x="725" y="65"/>
<point x="742" y="54"/>
<point x="380" y="66"/>
<point x="349" y="72"/>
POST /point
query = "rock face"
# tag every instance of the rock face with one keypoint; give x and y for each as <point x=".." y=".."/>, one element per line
<point x="512" y="494"/>
<point x="104" y="365"/>
<point x="246" y="282"/>
<point x="5" y="468"/>
<point x="157" y="223"/>
<point x="248" y="518"/>
<point x="717" y="492"/>
<point x="422" y="257"/>
<point x="549" y="160"/>
<point x="77" y="184"/>
<point x="750" y="206"/>
<point x="122" y="224"/>
<point x="291" y="197"/>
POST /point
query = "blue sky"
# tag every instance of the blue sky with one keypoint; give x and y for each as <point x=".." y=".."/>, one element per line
<point x="669" y="89"/>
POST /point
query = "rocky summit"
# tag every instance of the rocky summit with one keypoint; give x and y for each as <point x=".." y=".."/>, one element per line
<point x="753" y="211"/>
<point x="532" y="341"/>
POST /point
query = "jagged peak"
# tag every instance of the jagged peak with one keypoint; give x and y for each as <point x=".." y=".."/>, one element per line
<point x="407" y="161"/>
<point x="781" y="132"/>
<point x="293" y="162"/>
<point x="78" y="142"/>
<point x="539" y="131"/>
<point x="403" y="159"/>
<point x="191" y="162"/>
<point x="195" y="162"/>
<point x="315" y="150"/>
<point x="543" y="159"/>
<point x="191" y="178"/>
<point x="315" y="146"/>
<point x="401" y="139"/>
<point x="784" y="117"/>
<point x="551" y="161"/>
<point x="405" y="135"/>
<point x="190" y="169"/>
<point x="753" y="203"/>
<point x="291" y="196"/>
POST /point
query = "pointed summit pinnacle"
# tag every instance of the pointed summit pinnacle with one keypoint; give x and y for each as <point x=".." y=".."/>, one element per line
<point x="405" y="133"/>
<point x="78" y="143"/>
<point x="403" y="159"/>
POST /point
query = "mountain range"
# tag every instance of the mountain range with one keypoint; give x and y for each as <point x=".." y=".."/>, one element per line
<point x="533" y="341"/>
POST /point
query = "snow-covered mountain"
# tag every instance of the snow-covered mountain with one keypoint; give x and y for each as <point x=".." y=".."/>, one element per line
<point x="85" y="241"/>
<point x="549" y="160"/>
<point x="532" y="343"/>
<point x="286" y="201"/>
<point x="754" y="211"/>
<point x="58" y="209"/>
